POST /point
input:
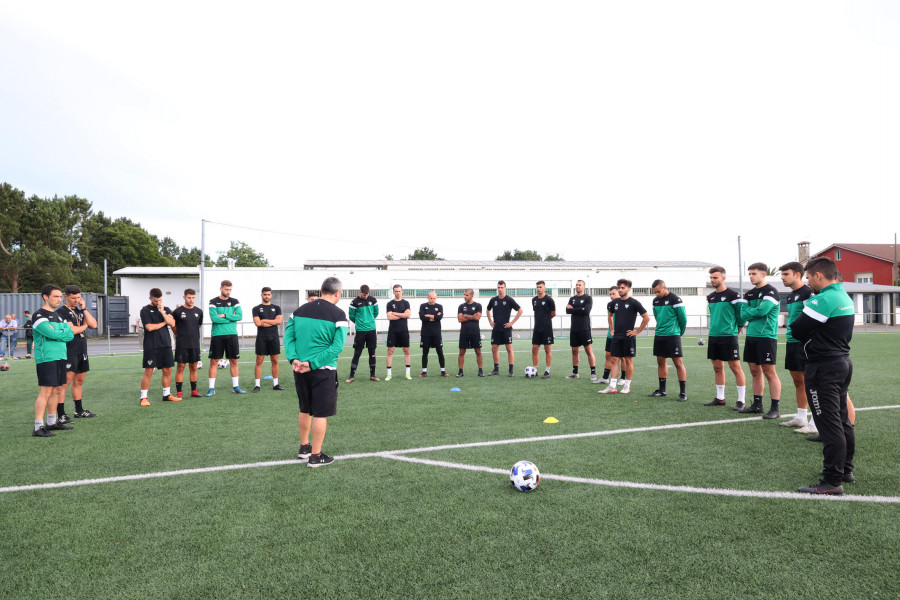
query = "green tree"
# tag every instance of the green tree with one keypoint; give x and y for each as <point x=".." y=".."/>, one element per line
<point x="424" y="253"/>
<point x="520" y="255"/>
<point x="191" y="258"/>
<point x="554" y="258"/>
<point x="243" y="255"/>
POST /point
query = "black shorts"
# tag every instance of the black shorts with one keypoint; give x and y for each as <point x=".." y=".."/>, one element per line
<point x="580" y="338"/>
<point x="224" y="346"/>
<point x="51" y="373"/>
<point x="366" y="339"/>
<point x="542" y="337"/>
<point x="77" y="363"/>
<point x="431" y="341"/>
<point x="317" y="392"/>
<point x="398" y="339"/>
<point x="623" y="347"/>
<point x="724" y="348"/>
<point x="500" y="336"/>
<point x="158" y="358"/>
<point x="761" y="351"/>
<point x="668" y="346"/>
<point x="469" y="340"/>
<point x="608" y="344"/>
<point x="794" y="357"/>
<point x="187" y="355"/>
<point x="268" y="347"/>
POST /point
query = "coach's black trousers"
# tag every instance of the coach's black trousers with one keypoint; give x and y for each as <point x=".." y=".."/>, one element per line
<point x="826" y="388"/>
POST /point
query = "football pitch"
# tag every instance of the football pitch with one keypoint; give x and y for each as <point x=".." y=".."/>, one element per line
<point x="639" y="498"/>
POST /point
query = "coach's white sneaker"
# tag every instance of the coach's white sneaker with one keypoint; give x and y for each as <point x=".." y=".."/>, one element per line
<point x="807" y="429"/>
<point x="795" y="422"/>
<point x="608" y="390"/>
<point x="621" y="382"/>
<point x="625" y="389"/>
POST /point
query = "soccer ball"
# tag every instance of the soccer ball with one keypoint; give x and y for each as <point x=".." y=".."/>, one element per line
<point x="199" y="363"/>
<point x="4" y="366"/>
<point x="530" y="372"/>
<point x="700" y="341"/>
<point x="223" y="363"/>
<point x="524" y="476"/>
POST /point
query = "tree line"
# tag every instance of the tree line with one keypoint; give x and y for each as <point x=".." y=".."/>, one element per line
<point x="62" y="240"/>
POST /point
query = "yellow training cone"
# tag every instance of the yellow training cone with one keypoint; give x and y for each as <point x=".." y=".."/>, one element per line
<point x="551" y="420"/>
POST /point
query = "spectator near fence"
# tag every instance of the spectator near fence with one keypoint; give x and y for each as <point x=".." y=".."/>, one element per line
<point x="9" y="332"/>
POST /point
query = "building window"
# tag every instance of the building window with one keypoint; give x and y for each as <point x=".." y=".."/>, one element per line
<point x="837" y="255"/>
<point x="864" y="278"/>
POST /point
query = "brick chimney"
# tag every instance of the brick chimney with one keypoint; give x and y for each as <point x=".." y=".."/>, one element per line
<point x="803" y="252"/>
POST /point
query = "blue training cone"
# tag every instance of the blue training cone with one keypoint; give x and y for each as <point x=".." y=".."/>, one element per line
<point x="456" y="389"/>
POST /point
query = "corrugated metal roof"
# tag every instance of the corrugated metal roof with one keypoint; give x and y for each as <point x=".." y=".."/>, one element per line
<point x="158" y="271"/>
<point x="510" y="264"/>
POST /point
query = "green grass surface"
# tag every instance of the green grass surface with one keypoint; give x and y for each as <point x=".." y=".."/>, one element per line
<point x="375" y="527"/>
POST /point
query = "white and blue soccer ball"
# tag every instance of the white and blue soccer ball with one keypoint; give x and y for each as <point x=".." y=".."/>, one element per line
<point x="525" y="476"/>
<point x="700" y="341"/>
<point x="223" y="363"/>
<point x="530" y="372"/>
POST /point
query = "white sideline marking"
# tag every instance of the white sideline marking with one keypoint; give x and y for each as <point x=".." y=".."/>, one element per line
<point x="653" y="486"/>
<point x="396" y="454"/>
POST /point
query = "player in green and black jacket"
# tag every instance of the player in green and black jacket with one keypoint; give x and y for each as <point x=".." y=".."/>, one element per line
<point x="794" y="360"/>
<point x="825" y="328"/>
<point x="725" y="322"/>
<point x="363" y="311"/>
<point x="313" y="338"/>
<point x="225" y="313"/>
<point x="671" y="321"/>
<point x="51" y="332"/>
<point x="760" y="348"/>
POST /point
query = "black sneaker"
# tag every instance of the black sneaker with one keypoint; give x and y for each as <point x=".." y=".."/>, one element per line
<point x="84" y="414"/>
<point x="656" y="394"/>
<point x="845" y="478"/>
<point x="494" y="372"/>
<point x="255" y="389"/>
<point x="319" y="461"/>
<point x="546" y="375"/>
<point x="277" y="388"/>
<point x="42" y="431"/>
<point x="753" y="408"/>
<point x="822" y="488"/>
<point x="715" y="402"/>
<point x="738" y="406"/>
<point x="59" y="426"/>
<point x="423" y="375"/>
<point x="304" y="452"/>
<point x="772" y="414"/>
<point x="682" y="398"/>
<point x="460" y="374"/>
<point x="481" y="373"/>
<point x="64" y="419"/>
<point x="511" y="374"/>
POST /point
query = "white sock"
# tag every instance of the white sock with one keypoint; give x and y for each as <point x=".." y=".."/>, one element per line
<point x="547" y="369"/>
<point x="626" y="383"/>
<point x="167" y="392"/>
<point x="274" y="381"/>
<point x="742" y="392"/>
<point x="407" y="370"/>
<point x="388" y="371"/>
<point x="425" y="369"/>
<point x="144" y="393"/>
<point x="256" y="382"/>
<point x="51" y="419"/>
<point x="801" y="413"/>
<point x="38" y="423"/>
<point x="234" y="381"/>
<point x="720" y="392"/>
<point x="212" y="383"/>
<point x="612" y="382"/>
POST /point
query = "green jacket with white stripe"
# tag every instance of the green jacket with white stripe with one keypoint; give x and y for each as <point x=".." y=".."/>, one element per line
<point x="316" y="333"/>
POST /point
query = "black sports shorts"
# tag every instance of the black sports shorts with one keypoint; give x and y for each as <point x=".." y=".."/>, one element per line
<point x="317" y="392"/>
<point x="761" y="351"/>
<point x="51" y="373"/>
<point x="668" y="346"/>
<point x="224" y="346"/>
<point x="724" y="348"/>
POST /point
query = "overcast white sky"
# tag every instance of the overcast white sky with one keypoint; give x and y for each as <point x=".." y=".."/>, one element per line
<point x="595" y="129"/>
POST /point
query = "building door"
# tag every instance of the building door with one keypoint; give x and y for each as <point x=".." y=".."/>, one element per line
<point x="289" y="301"/>
<point x="872" y="308"/>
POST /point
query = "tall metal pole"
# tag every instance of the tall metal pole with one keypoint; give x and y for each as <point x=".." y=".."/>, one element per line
<point x="106" y="311"/>
<point x="740" y="268"/>
<point x="202" y="269"/>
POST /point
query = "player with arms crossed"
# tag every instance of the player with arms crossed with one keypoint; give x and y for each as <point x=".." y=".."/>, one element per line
<point x="267" y="317"/>
<point x="431" y="314"/>
<point x="313" y="338"/>
<point x="51" y="332"/>
<point x="761" y="346"/>
<point x="188" y="320"/>
<point x="398" y="312"/>
<point x="225" y="313"/>
<point x="157" y="318"/>
<point x="74" y="310"/>
<point x="363" y="311"/>
<point x="671" y="321"/>
<point x="544" y="310"/>
<point x="624" y="343"/>
<point x="579" y="307"/>
<point x="794" y="359"/>
<point x="501" y="306"/>
<point x="469" y="313"/>
<point x="725" y="323"/>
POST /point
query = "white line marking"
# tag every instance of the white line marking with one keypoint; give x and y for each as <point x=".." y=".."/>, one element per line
<point x="395" y="454"/>
<point x="653" y="486"/>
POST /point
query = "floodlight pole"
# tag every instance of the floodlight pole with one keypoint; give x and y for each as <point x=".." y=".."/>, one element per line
<point x="740" y="269"/>
<point x="202" y="268"/>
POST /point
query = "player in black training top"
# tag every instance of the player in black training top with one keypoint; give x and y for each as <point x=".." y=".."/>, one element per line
<point x="75" y="311"/>
<point x="398" y="312"/>
<point x="501" y="327"/>
<point x="267" y="317"/>
<point x="188" y="320"/>
<point x="544" y="309"/>
<point x="623" y="347"/>
<point x="431" y="314"/>
<point x="579" y="307"/>
<point x="469" y="314"/>
<point x="157" y="318"/>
